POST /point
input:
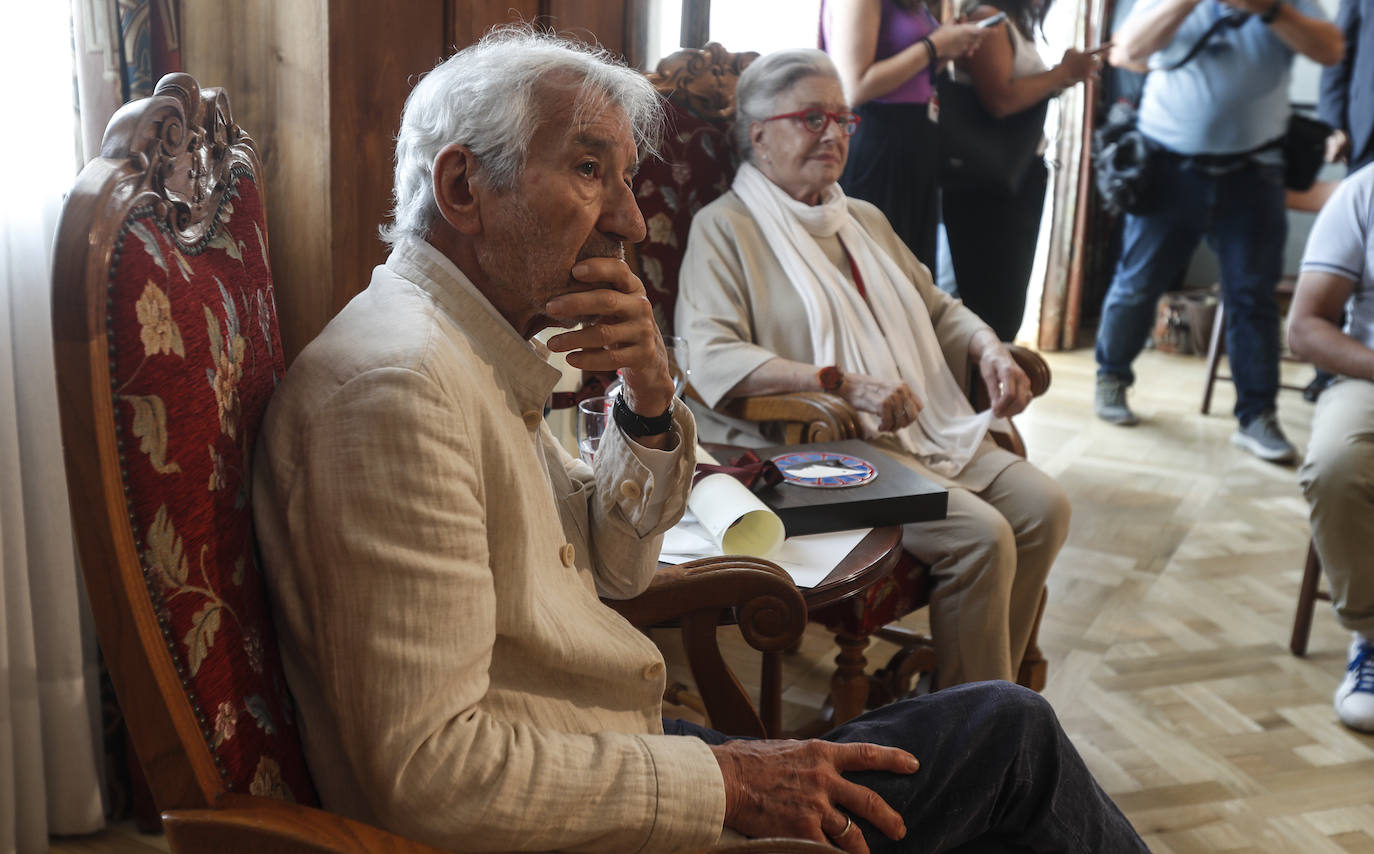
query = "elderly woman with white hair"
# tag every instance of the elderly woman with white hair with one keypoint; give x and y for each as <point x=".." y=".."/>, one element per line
<point x="787" y="285"/>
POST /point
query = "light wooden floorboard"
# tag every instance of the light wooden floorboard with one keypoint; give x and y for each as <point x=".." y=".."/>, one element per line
<point x="1168" y="623"/>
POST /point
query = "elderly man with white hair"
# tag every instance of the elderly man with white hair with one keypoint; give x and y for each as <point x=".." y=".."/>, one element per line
<point x="435" y="558"/>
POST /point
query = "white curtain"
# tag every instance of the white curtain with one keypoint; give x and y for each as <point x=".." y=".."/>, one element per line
<point x="50" y="753"/>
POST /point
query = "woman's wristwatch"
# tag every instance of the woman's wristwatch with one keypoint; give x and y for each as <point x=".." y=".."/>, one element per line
<point x="637" y="426"/>
<point x="831" y="379"/>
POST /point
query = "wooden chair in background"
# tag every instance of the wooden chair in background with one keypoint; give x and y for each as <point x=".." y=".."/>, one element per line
<point x="1308" y="201"/>
<point x="696" y="165"/>
<point x="167" y="351"/>
<point x="1309" y="592"/>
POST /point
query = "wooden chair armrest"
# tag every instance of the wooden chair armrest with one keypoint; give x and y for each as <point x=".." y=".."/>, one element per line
<point x="269" y="826"/>
<point x="803" y="416"/>
<point x="699" y="595"/>
<point x="770" y="609"/>
<point x="811" y="416"/>
<point x="770" y="846"/>
<point x="1037" y="371"/>
<point x="1035" y="366"/>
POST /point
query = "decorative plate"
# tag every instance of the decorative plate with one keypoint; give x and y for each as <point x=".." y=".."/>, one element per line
<point x="825" y="469"/>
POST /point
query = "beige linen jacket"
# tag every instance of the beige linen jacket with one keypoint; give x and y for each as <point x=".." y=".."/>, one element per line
<point x="434" y="559"/>
<point x="737" y="309"/>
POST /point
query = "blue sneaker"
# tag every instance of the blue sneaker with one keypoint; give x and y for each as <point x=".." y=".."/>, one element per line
<point x="1355" y="698"/>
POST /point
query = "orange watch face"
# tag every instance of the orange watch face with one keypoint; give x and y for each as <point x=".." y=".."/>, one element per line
<point x="831" y="378"/>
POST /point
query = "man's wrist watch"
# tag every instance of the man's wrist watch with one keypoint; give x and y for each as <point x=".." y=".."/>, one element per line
<point x="830" y="378"/>
<point x="1269" y="15"/>
<point x="637" y="426"/>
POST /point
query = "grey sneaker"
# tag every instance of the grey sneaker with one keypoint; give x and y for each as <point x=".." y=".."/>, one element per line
<point x="1110" y="401"/>
<point x="1263" y="438"/>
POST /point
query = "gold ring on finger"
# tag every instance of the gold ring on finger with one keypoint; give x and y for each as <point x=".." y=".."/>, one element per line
<point x="848" y="823"/>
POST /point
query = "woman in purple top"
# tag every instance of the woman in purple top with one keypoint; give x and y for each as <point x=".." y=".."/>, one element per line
<point x="886" y="52"/>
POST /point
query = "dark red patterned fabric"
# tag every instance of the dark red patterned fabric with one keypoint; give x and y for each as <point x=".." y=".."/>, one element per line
<point x="695" y="166"/>
<point x="907" y="589"/>
<point x="195" y="354"/>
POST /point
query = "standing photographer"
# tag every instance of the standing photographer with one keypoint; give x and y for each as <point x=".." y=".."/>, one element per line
<point x="1218" y="176"/>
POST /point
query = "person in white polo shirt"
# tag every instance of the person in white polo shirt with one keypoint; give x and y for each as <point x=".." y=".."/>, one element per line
<point x="1338" y="475"/>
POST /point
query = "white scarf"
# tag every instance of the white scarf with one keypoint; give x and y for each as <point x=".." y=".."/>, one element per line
<point x="890" y="336"/>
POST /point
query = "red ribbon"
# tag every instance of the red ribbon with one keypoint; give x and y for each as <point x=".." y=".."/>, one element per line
<point x="757" y="475"/>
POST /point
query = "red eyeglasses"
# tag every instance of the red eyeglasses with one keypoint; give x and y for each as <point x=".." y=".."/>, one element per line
<point x="817" y="120"/>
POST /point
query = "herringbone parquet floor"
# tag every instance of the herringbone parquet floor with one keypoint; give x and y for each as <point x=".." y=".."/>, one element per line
<point x="1168" y="622"/>
<point x="1167" y="628"/>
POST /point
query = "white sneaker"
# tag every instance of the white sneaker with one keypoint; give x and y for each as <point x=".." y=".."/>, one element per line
<point x="1354" y="700"/>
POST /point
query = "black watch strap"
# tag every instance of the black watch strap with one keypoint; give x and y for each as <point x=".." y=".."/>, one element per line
<point x="635" y="425"/>
<point x="1269" y="15"/>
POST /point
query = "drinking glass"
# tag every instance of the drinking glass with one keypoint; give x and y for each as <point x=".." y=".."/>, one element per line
<point x="593" y="414"/>
<point x="679" y="363"/>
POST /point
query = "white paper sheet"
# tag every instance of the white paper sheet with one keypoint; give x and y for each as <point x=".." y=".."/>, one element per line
<point x="735" y="518"/>
<point x="808" y="559"/>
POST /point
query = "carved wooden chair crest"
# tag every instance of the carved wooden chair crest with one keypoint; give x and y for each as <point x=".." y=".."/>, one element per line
<point x="167" y="351"/>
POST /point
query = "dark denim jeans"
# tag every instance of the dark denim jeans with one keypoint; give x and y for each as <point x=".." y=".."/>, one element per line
<point x="997" y="774"/>
<point x="1242" y="215"/>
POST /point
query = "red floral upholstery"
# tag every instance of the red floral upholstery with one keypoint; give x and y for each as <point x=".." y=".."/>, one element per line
<point x="695" y="166"/>
<point x="195" y="355"/>
<point x="907" y="589"/>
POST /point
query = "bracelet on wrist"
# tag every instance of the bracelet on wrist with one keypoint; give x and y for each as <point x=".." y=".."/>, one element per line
<point x="931" y="52"/>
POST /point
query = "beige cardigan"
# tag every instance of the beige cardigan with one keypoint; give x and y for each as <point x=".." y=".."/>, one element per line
<point x="737" y="310"/>
<point x="434" y="559"/>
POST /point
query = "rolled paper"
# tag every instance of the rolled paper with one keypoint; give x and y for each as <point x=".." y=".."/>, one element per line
<point x="734" y="517"/>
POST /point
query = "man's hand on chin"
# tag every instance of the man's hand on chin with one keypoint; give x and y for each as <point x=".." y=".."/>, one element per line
<point x="621" y="336"/>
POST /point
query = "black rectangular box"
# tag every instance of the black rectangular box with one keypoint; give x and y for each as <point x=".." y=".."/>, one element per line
<point x="898" y="494"/>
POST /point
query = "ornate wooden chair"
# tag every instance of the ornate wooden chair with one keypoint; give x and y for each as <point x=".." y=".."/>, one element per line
<point x="696" y="165"/>
<point x="167" y="351"/>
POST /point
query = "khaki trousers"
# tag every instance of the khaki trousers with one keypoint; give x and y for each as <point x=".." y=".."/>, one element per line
<point x="1338" y="479"/>
<point x="989" y="559"/>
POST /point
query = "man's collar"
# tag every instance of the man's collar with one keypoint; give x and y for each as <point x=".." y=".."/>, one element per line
<point x="523" y="365"/>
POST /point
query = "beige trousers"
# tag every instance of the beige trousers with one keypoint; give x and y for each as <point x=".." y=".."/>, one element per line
<point x="1338" y="479"/>
<point x="989" y="558"/>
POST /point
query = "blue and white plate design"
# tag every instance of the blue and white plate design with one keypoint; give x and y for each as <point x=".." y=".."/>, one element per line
<point x="825" y="469"/>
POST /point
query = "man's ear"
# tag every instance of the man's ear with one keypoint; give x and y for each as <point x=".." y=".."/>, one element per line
<point x="456" y="193"/>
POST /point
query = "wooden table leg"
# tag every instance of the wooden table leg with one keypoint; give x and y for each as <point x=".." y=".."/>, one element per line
<point x="849" y="684"/>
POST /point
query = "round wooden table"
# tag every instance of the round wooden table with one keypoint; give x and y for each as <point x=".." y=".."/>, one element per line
<point x="867" y="563"/>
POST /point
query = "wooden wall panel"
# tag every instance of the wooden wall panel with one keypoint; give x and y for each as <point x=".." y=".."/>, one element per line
<point x="273" y="65"/>
<point x="319" y="85"/>
<point x="373" y="61"/>
<point x="470" y="19"/>
<point x="591" y="21"/>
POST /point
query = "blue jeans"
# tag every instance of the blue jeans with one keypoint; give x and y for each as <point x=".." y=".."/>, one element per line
<point x="997" y="774"/>
<point x="1242" y="215"/>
